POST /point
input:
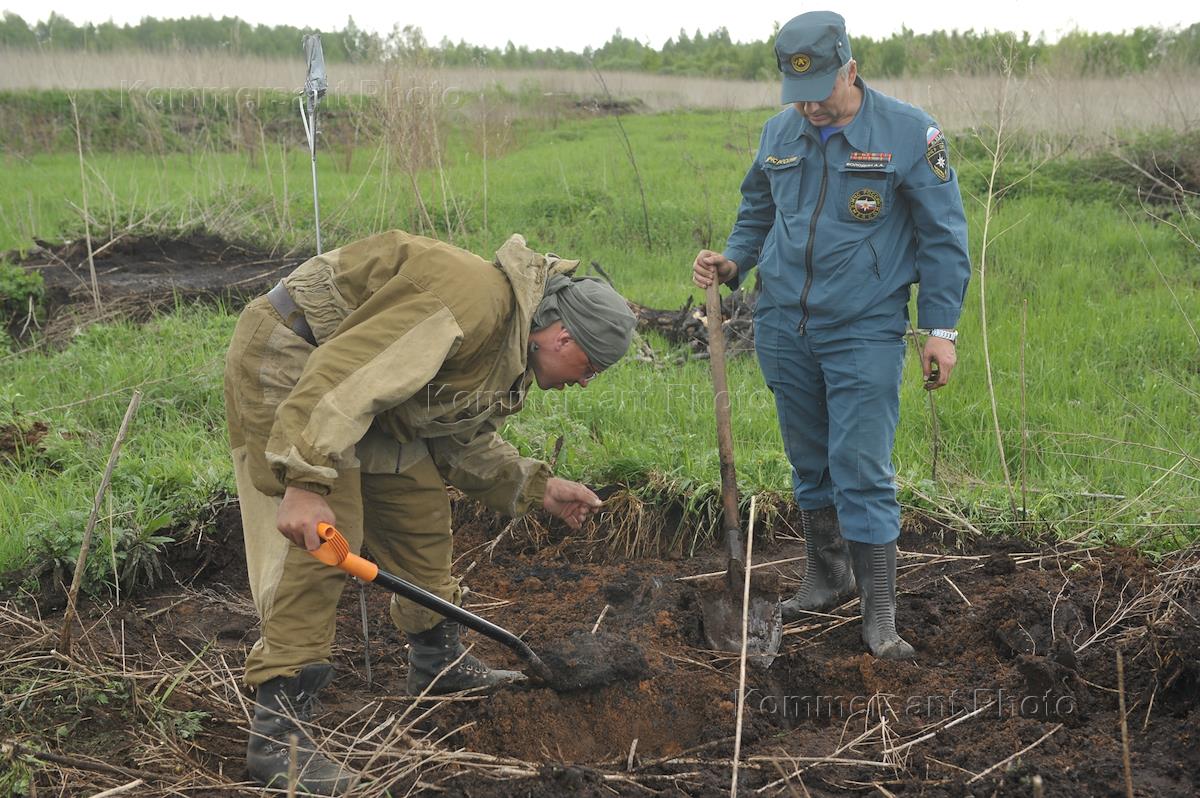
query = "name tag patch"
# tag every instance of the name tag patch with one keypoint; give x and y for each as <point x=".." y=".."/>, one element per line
<point x="936" y="155"/>
<point x="865" y="204"/>
<point x="869" y="160"/>
<point x="775" y="160"/>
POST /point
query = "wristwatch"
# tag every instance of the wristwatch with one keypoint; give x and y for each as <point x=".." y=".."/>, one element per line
<point x="949" y="335"/>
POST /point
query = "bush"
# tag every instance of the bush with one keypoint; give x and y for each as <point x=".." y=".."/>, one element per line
<point x="21" y="296"/>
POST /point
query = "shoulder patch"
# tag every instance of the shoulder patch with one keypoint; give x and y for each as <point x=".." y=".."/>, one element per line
<point x="936" y="155"/>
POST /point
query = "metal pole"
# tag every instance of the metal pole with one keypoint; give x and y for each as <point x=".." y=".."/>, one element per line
<point x="312" y="148"/>
<point x="315" y="84"/>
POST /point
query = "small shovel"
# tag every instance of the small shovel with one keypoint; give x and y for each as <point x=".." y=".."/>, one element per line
<point x="722" y="606"/>
<point x="335" y="551"/>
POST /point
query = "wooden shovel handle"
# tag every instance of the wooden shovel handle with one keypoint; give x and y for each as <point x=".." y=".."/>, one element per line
<point x="716" y="354"/>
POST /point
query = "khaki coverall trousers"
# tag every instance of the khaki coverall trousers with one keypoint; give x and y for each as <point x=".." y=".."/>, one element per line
<point x="404" y="517"/>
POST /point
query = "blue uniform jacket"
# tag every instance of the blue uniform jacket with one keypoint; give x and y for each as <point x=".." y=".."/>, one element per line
<point x="839" y="231"/>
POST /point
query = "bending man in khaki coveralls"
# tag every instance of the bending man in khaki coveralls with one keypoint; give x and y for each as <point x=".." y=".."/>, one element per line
<point x="366" y="380"/>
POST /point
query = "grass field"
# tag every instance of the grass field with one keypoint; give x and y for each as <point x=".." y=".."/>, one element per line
<point x="1076" y="111"/>
<point x="1091" y="309"/>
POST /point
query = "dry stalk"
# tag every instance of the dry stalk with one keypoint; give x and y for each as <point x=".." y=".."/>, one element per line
<point x="1125" y="614"/>
<point x="687" y="751"/>
<point x="483" y="118"/>
<point x="87" y="228"/>
<point x="603" y="612"/>
<point x="1185" y="211"/>
<point x="407" y="122"/>
<point x="710" y="574"/>
<point x="124" y="788"/>
<point x="997" y="152"/>
<point x="170" y="765"/>
<point x="787" y="782"/>
<point x="1124" y="725"/>
<point x="946" y="510"/>
<point x="1024" y="423"/>
<point x="366" y="629"/>
<point x="949" y="581"/>
<point x="628" y="151"/>
<point x="64" y="640"/>
<point x="292" y="776"/>
<point x="941" y="726"/>
<point x="890" y="753"/>
<point x="830" y="759"/>
<point x="741" y="703"/>
<point x="1022" y="752"/>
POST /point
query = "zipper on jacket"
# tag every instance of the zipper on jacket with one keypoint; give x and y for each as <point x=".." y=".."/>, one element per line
<point x="808" y="250"/>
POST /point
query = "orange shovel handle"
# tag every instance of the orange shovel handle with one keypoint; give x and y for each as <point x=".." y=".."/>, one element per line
<point x="336" y="551"/>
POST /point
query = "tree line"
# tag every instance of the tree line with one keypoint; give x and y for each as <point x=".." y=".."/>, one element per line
<point x="714" y="54"/>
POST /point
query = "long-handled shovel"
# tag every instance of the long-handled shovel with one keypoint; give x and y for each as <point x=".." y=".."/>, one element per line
<point x="722" y="606"/>
<point x="335" y="551"/>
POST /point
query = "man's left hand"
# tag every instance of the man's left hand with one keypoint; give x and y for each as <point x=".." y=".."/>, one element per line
<point x="937" y="361"/>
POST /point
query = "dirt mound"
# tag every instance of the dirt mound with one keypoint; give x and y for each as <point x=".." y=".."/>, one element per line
<point x="1014" y="682"/>
<point x="139" y="276"/>
<point x="585" y="660"/>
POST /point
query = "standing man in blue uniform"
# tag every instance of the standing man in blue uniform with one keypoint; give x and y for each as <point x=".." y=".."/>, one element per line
<point x="849" y="202"/>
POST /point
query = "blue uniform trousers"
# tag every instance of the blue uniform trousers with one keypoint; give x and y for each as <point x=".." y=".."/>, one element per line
<point x="837" y="393"/>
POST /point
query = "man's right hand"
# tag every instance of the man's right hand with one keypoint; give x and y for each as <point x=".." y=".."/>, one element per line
<point x="570" y="501"/>
<point x="709" y="263"/>
<point x="298" y="515"/>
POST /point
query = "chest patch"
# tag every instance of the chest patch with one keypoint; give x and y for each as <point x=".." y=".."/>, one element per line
<point x="865" y="204"/>
<point x="869" y="160"/>
<point x="775" y="160"/>
<point x="936" y="155"/>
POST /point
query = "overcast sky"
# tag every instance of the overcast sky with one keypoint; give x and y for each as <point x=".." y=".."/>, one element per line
<point x="573" y="26"/>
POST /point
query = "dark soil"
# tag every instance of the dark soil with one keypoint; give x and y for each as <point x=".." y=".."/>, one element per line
<point x="586" y="661"/>
<point x="1030" y="645"/>
<point x="139" y="276"/>
<point x="1016" y="653"/>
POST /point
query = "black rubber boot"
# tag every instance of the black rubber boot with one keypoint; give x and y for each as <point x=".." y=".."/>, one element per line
<point x="283" y="704"/>
<point x="828" y="579"/>
<point x="432" y="651"/>
<point x="875" y="570"/>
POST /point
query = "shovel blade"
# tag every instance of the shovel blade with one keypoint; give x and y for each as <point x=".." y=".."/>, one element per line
<point x="722" y="615"/>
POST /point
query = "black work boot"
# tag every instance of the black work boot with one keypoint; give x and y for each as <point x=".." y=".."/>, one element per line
<point x="875" y="570"/>
<point x="282" y="705"/>
<point x="828" y="579"/>
<point x="432" y="651"/>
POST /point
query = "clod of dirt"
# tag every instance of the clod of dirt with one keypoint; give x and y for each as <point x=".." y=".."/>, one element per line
<point x="584" y="661"/>
<point x="999" y="565"/>
<point x="1048" y="692"/>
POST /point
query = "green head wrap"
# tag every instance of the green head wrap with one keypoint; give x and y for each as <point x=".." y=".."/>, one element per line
<point x="595" y="315"/>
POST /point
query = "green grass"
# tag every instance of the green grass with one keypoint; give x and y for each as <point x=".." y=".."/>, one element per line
<point x="172" y="464"/>
<point x="1110" y="379"/>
